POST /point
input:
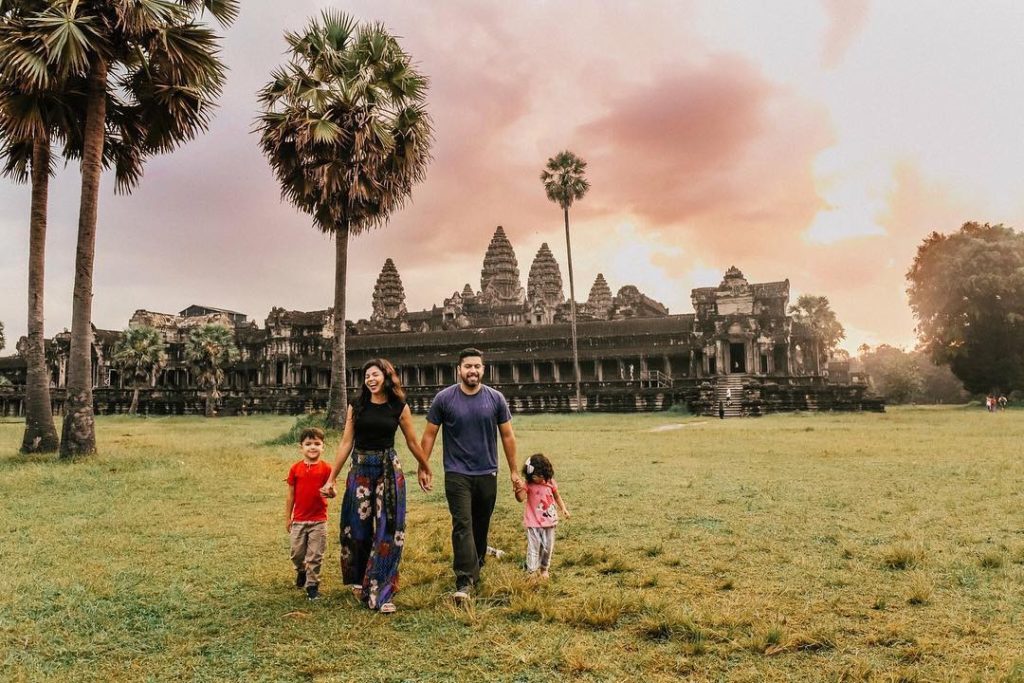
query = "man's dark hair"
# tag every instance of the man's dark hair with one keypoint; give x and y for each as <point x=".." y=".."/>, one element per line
<point x="466" y="353"/>
<point x="311" y="433"/>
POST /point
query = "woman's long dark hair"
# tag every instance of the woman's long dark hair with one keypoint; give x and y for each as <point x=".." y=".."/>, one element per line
<point x="392" y="385"/>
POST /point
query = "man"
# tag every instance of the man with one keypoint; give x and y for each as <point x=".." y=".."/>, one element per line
<point x="472" y="415"/>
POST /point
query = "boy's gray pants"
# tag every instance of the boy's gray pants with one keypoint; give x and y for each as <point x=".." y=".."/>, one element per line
<point x="540" y="542"/>
<point x="309" y="541"/>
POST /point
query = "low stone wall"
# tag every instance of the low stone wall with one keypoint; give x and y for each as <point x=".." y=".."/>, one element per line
<point x="759" y="398"/>
<point x="790" y="395"/>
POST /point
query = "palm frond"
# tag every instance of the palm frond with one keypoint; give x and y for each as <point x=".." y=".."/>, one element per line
<point x="16" y="156"/>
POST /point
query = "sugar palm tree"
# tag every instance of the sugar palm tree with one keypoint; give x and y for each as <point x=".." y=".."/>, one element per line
<point x="33" y="111"/>
<point x="150" y="75"/>
<point x="345" y="129"/>
<point x="817" y="314"/>
<point x="207" y="350"/>
<point x="564" y="183"/>
<point x="140" y="352"/>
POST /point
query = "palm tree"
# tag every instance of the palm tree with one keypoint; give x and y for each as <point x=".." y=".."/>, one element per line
<point x="140" y="352"/>
<point x="817" y="314"/>
<point x="32" y="112"/>
<point x="345" y="129"/>
<point x="564" y="183"/>
<point x="150" y="75"/>
<point x="208" y="349"/>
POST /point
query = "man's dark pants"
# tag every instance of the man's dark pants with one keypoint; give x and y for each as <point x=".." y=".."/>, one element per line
<point x="471" y="502"/>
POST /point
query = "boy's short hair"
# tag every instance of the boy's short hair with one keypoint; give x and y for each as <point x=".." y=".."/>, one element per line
<point x="466" y="353"/>
<point x="311" y="433"/>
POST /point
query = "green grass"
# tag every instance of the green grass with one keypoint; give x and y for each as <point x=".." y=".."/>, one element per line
<point x="792" y="547"/>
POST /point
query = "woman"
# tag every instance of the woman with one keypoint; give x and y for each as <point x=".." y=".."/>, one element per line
<point x="373" y="509"/>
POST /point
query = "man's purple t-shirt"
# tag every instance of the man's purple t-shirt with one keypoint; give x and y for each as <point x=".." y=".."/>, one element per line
<point x="470" y="428"/>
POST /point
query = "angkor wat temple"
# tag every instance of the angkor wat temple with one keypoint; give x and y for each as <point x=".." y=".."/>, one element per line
<point x="739" y="350"/>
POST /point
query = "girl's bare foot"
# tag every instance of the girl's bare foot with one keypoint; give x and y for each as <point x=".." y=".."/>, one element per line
<point x="544" y="574"/>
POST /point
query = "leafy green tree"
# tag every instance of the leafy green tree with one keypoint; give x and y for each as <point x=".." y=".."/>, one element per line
<point x="817" y="314"/>
<point x="894" y="373"/>
<point x="564" y="182"/>
<point x="140" y="353"/>
<point x="208" y="350"/>
<point x="150" y="74"/>
<point x="967" y="292"/>
<point x="345" y="128"/>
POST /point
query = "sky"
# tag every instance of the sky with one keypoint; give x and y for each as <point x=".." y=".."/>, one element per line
<point x="817" y="141"/>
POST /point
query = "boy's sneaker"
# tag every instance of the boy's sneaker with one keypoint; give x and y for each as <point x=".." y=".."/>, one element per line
<point x="496" y="553"/>
<point x="300" y="579"/>
<point x="313" y="592"/>
<point x="463" y="592"/>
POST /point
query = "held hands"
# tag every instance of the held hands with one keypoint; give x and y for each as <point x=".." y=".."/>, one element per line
<point x="425" y="478"/>
<point x="518" y="488"/>
<point x="329" y="490"/>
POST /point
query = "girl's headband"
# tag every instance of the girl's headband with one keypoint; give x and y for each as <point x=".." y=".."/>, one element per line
<point x="528" y="466"/>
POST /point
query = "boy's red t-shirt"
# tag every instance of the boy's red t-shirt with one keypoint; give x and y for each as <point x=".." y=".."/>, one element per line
<point x="307" y="479"/>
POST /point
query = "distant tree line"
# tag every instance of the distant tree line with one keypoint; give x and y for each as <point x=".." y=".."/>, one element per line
<point x="910" y="376"/>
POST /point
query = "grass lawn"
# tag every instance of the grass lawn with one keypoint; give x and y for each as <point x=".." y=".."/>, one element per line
<point x="792" y="547"/>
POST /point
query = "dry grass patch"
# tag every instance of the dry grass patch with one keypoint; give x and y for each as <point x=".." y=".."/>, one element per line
<point x="905" y="555"/>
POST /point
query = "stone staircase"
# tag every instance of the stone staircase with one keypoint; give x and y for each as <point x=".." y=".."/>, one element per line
<point x="729" y="392"/>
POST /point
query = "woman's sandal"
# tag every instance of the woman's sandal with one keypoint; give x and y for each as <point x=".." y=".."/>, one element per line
<point x="357" y="591"/>
<point x="388" y="608"/>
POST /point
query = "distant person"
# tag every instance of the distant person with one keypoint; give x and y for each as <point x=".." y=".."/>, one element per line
<point x="728" y="395"/>
<point x="1002" y="402"/>
<point x="721" y="410"/>
<point x="373" y="509"/>
<point x="990" y="403"/>
<point x="472" y="415"/>
<point x="540" y="512"/>
<point x="305" y="511"/>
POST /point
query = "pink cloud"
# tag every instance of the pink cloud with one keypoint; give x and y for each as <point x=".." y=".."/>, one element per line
<point x="846" y="19"/>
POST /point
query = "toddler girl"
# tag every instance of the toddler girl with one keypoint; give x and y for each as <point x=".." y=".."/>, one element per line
<point x="540" y="514"/>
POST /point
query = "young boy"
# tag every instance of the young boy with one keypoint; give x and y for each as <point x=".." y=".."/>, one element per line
<point x="305" y="511"/>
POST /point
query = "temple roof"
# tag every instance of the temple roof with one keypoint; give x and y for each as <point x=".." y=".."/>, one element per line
<point x="388" y="293"/>
<point x="500" y="274"/>
<point x="600" y="294"/>
<point x="279" y="316"/>
<point x="545" y="281"/>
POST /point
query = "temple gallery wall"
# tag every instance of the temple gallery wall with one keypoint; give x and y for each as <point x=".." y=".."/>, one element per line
<point x="738" y="352"/>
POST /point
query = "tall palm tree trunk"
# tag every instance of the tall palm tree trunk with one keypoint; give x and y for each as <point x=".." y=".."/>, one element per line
<point x="572" y="314"/>
<point x="79" y="434"/>
<point x="338" y="402"/>
<point x="40" y="432"/>
<point x="134" y="407"/>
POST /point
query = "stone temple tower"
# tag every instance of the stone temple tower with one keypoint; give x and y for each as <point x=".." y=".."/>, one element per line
<point x="545" y="282"/>
<point x="599" y="302"/>
<point x="499" y="279"/>
<point x="388" y="297"/>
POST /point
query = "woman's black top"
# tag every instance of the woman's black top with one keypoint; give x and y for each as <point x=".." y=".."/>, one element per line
<point x="376" y="425"/>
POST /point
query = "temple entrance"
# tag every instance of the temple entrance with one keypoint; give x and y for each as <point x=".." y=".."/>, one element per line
<point x="737" y="358"/>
